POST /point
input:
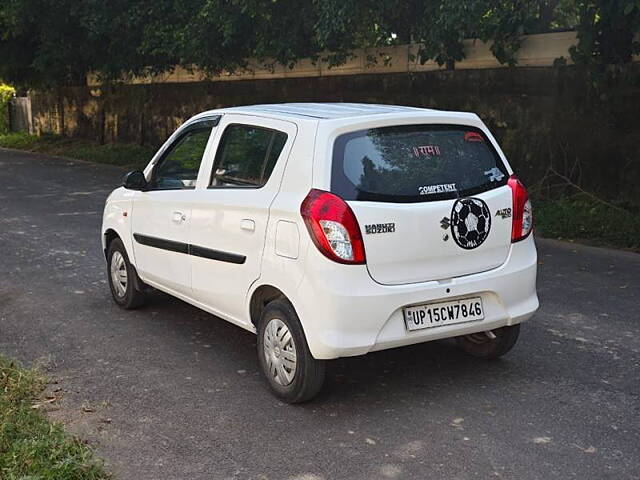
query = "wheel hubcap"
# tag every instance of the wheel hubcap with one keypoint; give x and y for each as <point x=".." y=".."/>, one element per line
<point x="119" y="274"/>
<point x="279" y="352"/>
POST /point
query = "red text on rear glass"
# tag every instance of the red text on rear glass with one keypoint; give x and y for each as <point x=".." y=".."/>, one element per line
<point x="426" y="150"/>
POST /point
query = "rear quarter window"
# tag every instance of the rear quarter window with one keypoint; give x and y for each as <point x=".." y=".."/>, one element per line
<point x="246" y="156"/>
<point x="415" y="163"/>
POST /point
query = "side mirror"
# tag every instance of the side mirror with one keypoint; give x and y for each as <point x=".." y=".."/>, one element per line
<point x="135" y="181"/>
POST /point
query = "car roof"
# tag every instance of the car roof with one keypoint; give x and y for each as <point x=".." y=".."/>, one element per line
<point x="322" y="111"/>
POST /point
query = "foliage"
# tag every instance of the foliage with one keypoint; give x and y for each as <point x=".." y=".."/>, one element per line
<point x="607" y="31"/>
<point x="583" y="217"/>
<point x="6" y="94"/>
<point x="451" y="23"/>
<point x="44" y="42"/>
<point x="121" y="38"/>
<point x="439" y="26"/>
<point x="134" y="156"/>
<point x="30" y="446"/>
<point x="18" y="140"/>
<point x="505" y="21"/>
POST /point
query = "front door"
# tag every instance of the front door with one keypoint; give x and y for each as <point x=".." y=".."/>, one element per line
<point x="229" y="217"/>
<point x="162" y="214"/>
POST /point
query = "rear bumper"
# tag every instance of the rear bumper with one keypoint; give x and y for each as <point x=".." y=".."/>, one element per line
<point x="345" y="313"/>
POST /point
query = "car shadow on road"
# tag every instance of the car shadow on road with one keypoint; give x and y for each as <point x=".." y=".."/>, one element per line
<point x="433" y="370"/>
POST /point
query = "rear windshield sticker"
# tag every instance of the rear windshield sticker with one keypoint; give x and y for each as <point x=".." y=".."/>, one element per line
<point x="426" y="151"/>
<point x="494" y="174"/>
<point x="441" y="188"/>
<point x="473" y="137"/>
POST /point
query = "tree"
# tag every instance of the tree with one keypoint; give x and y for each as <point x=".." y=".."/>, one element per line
<point x="606" y="32"/>
<point x="42" y="42"/>
<point x="46" y="43"/>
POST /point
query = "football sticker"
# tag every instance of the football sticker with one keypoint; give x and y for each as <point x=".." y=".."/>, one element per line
<point x="470" y="222"/>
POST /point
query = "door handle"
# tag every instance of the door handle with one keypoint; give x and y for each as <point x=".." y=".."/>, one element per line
<point x="248" y="225"/>
<point x="178" y="217"/>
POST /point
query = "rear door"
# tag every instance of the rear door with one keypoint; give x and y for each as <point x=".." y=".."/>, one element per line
<point x="230" y="215"/>
<point x="432" y="200"/>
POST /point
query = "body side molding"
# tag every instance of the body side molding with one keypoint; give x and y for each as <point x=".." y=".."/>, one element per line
<point x="188" y="249"/>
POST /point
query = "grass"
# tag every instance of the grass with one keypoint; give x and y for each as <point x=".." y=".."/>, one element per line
<point x="31" y="447"/>
<point x="125" y="155"/>
<point x="585" y="219"/>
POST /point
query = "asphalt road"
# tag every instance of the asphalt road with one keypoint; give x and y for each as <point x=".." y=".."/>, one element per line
<point x="170" y="392"/>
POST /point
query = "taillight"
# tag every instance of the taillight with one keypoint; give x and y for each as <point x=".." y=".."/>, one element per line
<point x="522" y="211"/>
<point x="333" y="227"/>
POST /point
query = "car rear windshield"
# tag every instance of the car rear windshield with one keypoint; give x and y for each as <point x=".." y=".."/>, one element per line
<point x="415" y="163"/>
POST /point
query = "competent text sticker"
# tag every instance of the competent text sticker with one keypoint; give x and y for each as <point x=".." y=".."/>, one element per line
<point x="440" y="188"/>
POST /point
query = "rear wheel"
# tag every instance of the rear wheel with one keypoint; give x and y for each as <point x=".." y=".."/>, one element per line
<point x="123" y="279"/>
<point x="489" y="345"/>
<point x="284" y="357"/>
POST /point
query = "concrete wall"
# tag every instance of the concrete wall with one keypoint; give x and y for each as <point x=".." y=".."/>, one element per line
<point x="544" y="117"/>
<point x="539" y="50"/>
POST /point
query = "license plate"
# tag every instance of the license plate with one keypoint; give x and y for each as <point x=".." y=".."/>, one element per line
<point x="443" y="313"/>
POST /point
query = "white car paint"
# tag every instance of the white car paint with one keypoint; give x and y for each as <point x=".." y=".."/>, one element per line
<point x="345" y="310"/>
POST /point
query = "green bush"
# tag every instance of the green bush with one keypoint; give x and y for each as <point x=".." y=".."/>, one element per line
<point x="18" y="140"/>
<point x="125" y="155"/>
<point x="6" y="94"/>
<point x="582" y="217"/>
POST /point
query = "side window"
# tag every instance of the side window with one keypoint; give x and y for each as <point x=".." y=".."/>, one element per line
<point x="246" y="156"/>
<point x="178" y="168"/>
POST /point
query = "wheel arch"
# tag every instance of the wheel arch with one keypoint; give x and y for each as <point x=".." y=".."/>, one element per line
<point x="116" y="222"/>
<point x="108" y="236"/>
<point x="260" y="297"/>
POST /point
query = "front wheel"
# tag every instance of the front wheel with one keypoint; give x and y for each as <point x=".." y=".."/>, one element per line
<point x="123" y="279"/>
<point x="490" y="345"/>
<point x="284" y="357"/>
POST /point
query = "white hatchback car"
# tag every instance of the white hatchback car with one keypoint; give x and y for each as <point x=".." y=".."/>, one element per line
<point x="330" y="230"/>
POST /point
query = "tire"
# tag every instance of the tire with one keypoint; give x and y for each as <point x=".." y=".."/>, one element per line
<point x="481" y="346"/>
<point x="124" y="283"/>
<point x="294" y="381"/>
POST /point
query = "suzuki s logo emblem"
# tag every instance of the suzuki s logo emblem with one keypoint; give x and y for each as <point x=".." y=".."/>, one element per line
<point x="470" y="222"/>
